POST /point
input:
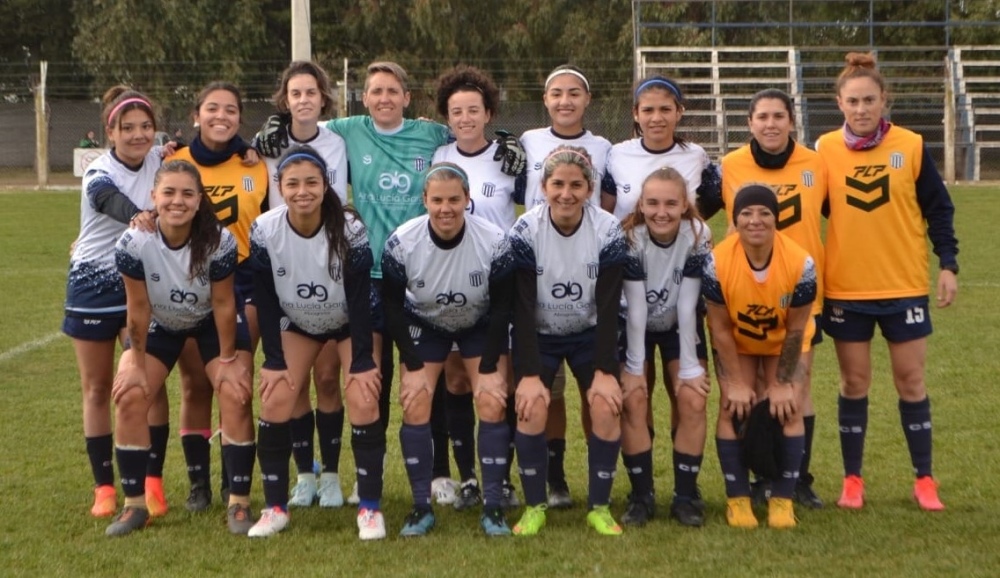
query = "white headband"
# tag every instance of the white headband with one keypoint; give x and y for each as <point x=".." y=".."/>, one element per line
<point x="561" y="71"/>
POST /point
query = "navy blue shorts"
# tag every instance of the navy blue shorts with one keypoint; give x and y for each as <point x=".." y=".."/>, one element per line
<point x="434" y="346"/>
<point x="166" y="345"/>
<point x="378" y="315"/>
<point x="900" y="320"/>
<point x="578" y="352"/>
<point x="818" y="335"/>
<point x="93" y="328"/>
<point x="243" y="284"/>
<point x="336" y="336"/>
<point x="669" y="343"/>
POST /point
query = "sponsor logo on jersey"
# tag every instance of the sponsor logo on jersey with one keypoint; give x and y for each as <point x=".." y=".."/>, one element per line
<point x="420" y="283"/>
<point x="489" y="189"/>
<point x="394" y="181"/>
<point x="537" y="167"/>
<point x="627" y="188"/>
<point x="415" y="332"/>
<point x="539" y="270"/>
<point x="476" y="278"/>
<point x="182" y="296"/>
<point x="311" y="291"/>
<point x="593" y="268"/>
<point x="456" y="298"/>
<point x="91" y="321"/>
<point x="756" y="321"/>
<point x="808" y="178"/>
<point x="155" y="277"/>
<point x="653" y="296"/>
<point x="896" y="160"/>
<point x="280" y="272"/>
<point x="568" y="290"/>
<point x="367" y="159"/>
<point x="284" y="323"/>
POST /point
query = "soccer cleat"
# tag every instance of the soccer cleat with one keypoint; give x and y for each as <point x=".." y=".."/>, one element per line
<point x="532" y="520"/>
<point x="494" y="523"/>
<point x="600" y="519"/>
<point x="354" y="499"/>
<point x="853" y="495"/>
<point x="199" y="499"/>
<point x="417" y="523"/>
<point x="508" y="496"/>
<point x="688" y="512"/>
<point x="639" y="510"/>
<point x="468" y="495"/>
<point x="330" y="495"/>
<point x="805" y="495"/>
<point x="239" y="519"/>
<point x="739" y="513"/>
<point x="444" y="490"/>
<point x="130" y="519"/>
<point x="105" y="502"/>
<point x="371" y="524"/>
<point x="156" y="501"/>
<point x="272" y="521"/>
<point x="780" y="513"/>
<point x="559" y="499"/>
<point x="760" y="491"/>
<point x="304" y="492"/>
<point x="926" y="494"/>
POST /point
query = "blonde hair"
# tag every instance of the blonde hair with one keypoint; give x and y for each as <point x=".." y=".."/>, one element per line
<point x="636" y="218"/>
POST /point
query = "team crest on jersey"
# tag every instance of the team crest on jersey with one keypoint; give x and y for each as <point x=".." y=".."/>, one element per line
<point x="592" y="269"/>
<point x="248" y="184"/>
<point x="284" y="323"/>
<point x="520" y="226"/>
<point x="419" y="163"/>
<point x="489" y="189"/>
<point x="677" y="275"/>
<point x="896" y="160"/>
<point x="331" y="176"/>
<point x="808" y="178"/>
<point x="476" y="278"/>
<point x="785" y="300"/>
<point x="336" y="273"/>
<point x="202" y="280"/>
<point x="393" y="242"/>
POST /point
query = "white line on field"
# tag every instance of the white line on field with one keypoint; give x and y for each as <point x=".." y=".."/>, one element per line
<point x="991" y="284"/>
<point x="29" y="346"/>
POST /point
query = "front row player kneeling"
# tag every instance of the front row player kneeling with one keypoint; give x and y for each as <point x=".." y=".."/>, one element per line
<point x="179" y="286"/>
<point x="448" y="278"/>
<point x="311" y="262"/>
<point x="759" y="286"/>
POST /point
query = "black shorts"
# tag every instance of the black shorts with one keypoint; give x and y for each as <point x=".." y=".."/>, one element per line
<point x="434" y="345"/>
<point x="900" y="320"/>
<point x="93" y="328"/>
<point x="243" y="284"/>
<point x="166" y="345"/>
<point x="578" y="350"/>
<point x="336" y="336"/>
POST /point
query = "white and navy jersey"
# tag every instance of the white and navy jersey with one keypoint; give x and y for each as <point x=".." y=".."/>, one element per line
<point x="567" y="266"/>
<point x="447" y="288"/>
<point x="539" y="142"/>
<point x="665" y="266"/>
<point x="309" y="296"/>
<point x="331" y="147"/>
<point x="491" y="192"/>
<point x="177" y="301"/>
<point x="94" y="286"/>
<point x="631" y="162"/>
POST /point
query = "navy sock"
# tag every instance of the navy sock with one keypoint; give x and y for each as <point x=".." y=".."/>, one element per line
<point x="916" y="420"/>
<point x="602" y="457"/>
<point x="639" y="468"/>
<point x="810" y="423"/>
<point x="439" y="432"/>
<point x="511" y="420"/>
<point x="852" y="415"/>
<point x="686" y="469"/>
<point x="388" y="368"/>
<point x="532" y="464"/>
<point x="330" y="431"/>
<point x="132" y="469"/>
<point x="196" y="454"/>
<point x="494" y="439"/>
<point x="239" y="464"/>
<point x="734" y="472"/>
<point x="417" y="447"/>
<point x="274" y="448"/>
<point x="557" y="456"/>
<point x="159" y="435"/>
<point x="301" y="431"/>
<point x="368" y="445"/>
<point x="461" y="416"/>
<point x="791" y="463"/>
<point x="100" y="450"/>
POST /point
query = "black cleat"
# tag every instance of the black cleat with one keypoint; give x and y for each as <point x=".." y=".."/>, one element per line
<point x="688" y="512"/>
<point x="805" y="495"/>
<point x="200" y="498"/>
<point x="130" y="519"/>
<point x="639" y="510"/>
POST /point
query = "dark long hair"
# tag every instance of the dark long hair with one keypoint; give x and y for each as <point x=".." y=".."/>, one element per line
<point x="206" y="232"/>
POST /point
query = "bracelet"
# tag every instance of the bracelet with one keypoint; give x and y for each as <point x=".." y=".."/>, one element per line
<point x="230" y="360"/>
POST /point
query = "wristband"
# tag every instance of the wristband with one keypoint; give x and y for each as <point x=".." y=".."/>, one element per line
<point x="229" y="360"/>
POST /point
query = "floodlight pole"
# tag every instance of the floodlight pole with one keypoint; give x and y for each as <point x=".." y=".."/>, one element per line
<point x="42" y="128"/>
<point x="301" y="30"/>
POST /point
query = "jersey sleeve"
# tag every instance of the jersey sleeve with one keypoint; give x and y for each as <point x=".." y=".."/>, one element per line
<point x="634" y="270"/>
<point x="805" y="287"/>
<point x="128" y="258"/>
<point x="106" y="198"/>
<point x="938" y="210"/>
<point x="522" y="246"/>
<point x="694" y="265"/>
<point x="357" y="287"/>
<point x="394" y="280"/>
<point x="711" y="289"/>
<point x="223" y="262"/>
<point x="614" y="249"/>
<point x="269" y="313"/>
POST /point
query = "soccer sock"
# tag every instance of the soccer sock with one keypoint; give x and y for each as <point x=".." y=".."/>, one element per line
<point x="239" y="463"/>
<point x="274" y="448"/>
<point x="158" y="437"/>
<point x="368" y="445"/>
<point x="916" y="420"/>
<point x="532" y="464"/>
<point x="791" y="463"/>
<point x="330" y="430"/>
<point x="602" y="457"/>
<point x="640" y="472"/>
<point x="511" y="420"/>
<point x="853" y="417"/>
<point x="388" y="369"/>
<point x="686" y="469"/>
<point x="301" y="431"/>
<point x="196" y="454"/>
<point x="734" y="472"/>
<point x="439" y="432"/>
<point x="557" y="455"/>
<point x="494" y="439"/>
<point x="417" y="448"/>
<point x="804" y="475"/>
<point x="461" y="417"/>
<point x="100" y="450"/>
<point x="132" y="469"/>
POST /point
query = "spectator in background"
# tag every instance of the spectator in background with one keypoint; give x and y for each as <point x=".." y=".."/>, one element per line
<point x="89" y="141"/>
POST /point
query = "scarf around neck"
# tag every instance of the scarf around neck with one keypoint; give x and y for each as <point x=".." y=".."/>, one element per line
<point x="863" y="143"/>
<point x="766" y="160"/>
<point x="209" y="158"/>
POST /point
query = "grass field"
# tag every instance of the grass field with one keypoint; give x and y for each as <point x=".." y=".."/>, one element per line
<point x="45" y="479"/>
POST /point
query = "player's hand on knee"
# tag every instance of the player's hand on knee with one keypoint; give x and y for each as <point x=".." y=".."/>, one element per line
<point x="529" y="391"/>
<point x="606" y="387"/>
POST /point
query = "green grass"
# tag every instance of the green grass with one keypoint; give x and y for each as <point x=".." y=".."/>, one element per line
<point x="45" y="479"/>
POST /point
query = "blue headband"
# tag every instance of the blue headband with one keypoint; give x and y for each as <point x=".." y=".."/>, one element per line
<point x="451" y="169"/>
<point x="662" y="82"/>
<point x="303" y="156"/>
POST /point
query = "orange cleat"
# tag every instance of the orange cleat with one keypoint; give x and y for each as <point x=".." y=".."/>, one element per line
<point x="926" y="494"/>
<point x="105" y="502"/>
<point x="156" y="501"/>
<point x="853" y="495"/>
